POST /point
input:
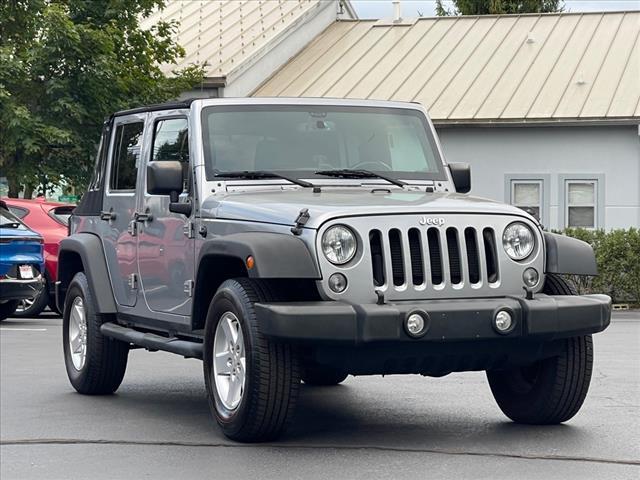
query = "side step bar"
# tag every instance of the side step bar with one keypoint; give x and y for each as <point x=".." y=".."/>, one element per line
<point x="152" y="341"/>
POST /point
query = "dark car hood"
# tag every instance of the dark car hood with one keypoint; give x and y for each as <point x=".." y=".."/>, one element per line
<point x="283" y="206"/>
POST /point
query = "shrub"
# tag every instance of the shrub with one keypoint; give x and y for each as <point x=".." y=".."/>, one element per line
<point x="618" y="258"/>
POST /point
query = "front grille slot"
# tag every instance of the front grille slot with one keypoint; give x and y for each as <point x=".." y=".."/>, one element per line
<point x="397" y="261"/>
<point x="415" y="250"/>
<point x="435" y="256"/>
<point x="491" y="254"/>
<point x="453" y="248"/>
<point x="377" y="259"/>
<point x="473" y="260"/>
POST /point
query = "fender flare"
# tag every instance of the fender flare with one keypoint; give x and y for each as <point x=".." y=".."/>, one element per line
<point x="567" y="255"/>
<point x="276" y="255"/>
<point x="89" y="248"/>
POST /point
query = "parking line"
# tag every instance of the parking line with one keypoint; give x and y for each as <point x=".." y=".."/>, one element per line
<point x="23" y="329"/>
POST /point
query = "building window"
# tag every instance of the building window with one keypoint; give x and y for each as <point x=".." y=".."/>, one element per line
<point x="527" y="195"/>
<point x="581" y="202"/>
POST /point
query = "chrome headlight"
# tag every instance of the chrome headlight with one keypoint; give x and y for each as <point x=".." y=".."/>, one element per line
<point x="339" y="244"/>
<point x="518" y="240"/>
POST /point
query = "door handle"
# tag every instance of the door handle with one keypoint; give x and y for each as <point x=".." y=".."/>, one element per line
<point x="143" y="217"/>
<point x="107" y="216"/>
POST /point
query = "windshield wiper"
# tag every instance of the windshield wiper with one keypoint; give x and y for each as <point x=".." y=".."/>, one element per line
<point x="258" y="174"/>
<point x="357" y="173"/>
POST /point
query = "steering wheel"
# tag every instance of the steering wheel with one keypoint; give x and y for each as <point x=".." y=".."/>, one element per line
<point x="376" y="164"/>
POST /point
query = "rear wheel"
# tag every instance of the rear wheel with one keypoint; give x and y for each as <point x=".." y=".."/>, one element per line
<point x="95" y="364"/>
<point x="252" y="381"/>
<point x="552" y="390"/>
<point x="7" y="308"/>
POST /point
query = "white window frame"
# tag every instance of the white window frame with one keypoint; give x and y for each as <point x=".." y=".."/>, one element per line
<point x="594" y="204"/>
<point x="542" y="179"/>
<point x="598" y="180"/>
<point x="540" y="183"/>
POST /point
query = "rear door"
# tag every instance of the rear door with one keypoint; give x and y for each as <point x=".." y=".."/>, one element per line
<point x="117" y="226"/>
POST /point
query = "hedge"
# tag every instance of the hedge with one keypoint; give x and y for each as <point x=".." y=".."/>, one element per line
<point x="618" y="258"/>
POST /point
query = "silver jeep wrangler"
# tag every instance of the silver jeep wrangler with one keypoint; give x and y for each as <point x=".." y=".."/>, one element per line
<point x="288" y="240"/>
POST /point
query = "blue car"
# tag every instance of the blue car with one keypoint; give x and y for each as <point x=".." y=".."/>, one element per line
<point x="21" y="262"/>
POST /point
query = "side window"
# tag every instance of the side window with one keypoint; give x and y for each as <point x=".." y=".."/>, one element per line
<point x="18" y="211"/>
<point x="124" y="169"/>
<point x="581" y="201"/>
<point x="171" y="142"/>
<point x="527" y="195"/>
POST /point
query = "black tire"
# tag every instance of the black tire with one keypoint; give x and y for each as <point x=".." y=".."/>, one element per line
<point x="7" y="309"/>
<point x="106" y="358"/>
<point x="40" y="302"/>
<point x="322" y="376"/>
<point x="552" y="390"/>
<point x="272" y="374"/>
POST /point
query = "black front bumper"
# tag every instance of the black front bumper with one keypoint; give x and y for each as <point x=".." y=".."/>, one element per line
<point x="12" y="289"/>
<point x="543" y="318"/>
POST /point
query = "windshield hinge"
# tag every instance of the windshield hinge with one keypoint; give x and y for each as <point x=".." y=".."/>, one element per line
<point x="301" y="221"/>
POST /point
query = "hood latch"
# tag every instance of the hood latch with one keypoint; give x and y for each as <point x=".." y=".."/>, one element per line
<point x="301" y="221"/>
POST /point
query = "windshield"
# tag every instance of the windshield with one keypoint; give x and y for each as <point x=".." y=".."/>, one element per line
<point x="300" y="140"/>
<point x="9" y="220"/>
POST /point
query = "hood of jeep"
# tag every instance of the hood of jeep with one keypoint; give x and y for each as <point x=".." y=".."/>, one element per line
<point x="283" y="206"/>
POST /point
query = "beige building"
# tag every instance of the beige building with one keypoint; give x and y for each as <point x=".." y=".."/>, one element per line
<point x="546" y="107"/>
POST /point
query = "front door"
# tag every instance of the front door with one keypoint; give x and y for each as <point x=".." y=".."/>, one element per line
<point x="119" y="207"/>
<point x="166" y="247"/>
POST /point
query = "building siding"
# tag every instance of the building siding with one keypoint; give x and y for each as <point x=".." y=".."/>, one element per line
<point x="609" y="153"/>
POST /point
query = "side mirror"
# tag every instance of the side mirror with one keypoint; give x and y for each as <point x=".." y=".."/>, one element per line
<point x="165" y="178"/>
<point x="461" y="175"/>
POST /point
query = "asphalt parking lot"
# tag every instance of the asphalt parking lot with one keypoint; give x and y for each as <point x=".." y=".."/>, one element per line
<point x="158" y="424"/>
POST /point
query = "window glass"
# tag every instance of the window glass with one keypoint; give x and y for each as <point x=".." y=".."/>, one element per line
<point x="171" y="140"/>
<point x="9" y="220"/>
<point x="527" y="195"/>
<point x="61" y="214"/>
<point x="581" y="204"/>
<point x="128" y="140"/>
<point x="19" y="212"/>
<point x="303" y="139"/>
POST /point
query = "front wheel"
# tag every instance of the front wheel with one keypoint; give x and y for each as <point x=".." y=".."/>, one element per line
<point x="32" y="307"/>
<point x="95" y="363"/>
<point x="252" y="381"/>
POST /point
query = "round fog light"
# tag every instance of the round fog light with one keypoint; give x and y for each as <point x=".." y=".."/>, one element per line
<point x="416" y="324"/>
<point x="337" y="283"/>
<point x="503" y="321"/>
<point x="530" y="277"/>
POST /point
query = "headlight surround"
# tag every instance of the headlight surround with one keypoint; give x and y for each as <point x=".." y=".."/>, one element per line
<point x="518" y="240"/>
<point x="339" y="244"/>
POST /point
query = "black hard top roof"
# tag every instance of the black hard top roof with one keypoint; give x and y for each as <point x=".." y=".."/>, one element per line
<point x="158" y="106"/>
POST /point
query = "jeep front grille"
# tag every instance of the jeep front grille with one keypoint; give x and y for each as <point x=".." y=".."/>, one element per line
<point x="433" y="257"/>
<point x="402" y="259"/>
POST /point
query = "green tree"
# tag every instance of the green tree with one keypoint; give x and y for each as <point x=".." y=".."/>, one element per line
<point x="65" y="65"/>
<point x="499" y="7"/>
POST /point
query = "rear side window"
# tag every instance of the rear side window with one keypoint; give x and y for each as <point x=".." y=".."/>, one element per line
<point x="61" y="214"/>
<point x="19" y="212"/>
<point x="126" y="150"/>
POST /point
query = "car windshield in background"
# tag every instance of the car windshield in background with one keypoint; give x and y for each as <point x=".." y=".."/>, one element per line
<point x="300" y="140"/>
<point x="9" y="220"/>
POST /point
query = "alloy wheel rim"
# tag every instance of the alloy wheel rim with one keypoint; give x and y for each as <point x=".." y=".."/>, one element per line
<point x="25" y="304"/>
<point x="229" y="361"/>
<point x="78" y="333"/>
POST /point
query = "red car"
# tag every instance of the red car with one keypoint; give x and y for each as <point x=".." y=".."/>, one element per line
<point x="50" y="220"/>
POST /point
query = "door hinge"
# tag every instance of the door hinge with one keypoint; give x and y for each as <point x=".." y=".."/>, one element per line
<point x="133" y="281"/>
<point x="133" y="228"/>
<point x="189" y="229"/>
<point x="188" y="287"/>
